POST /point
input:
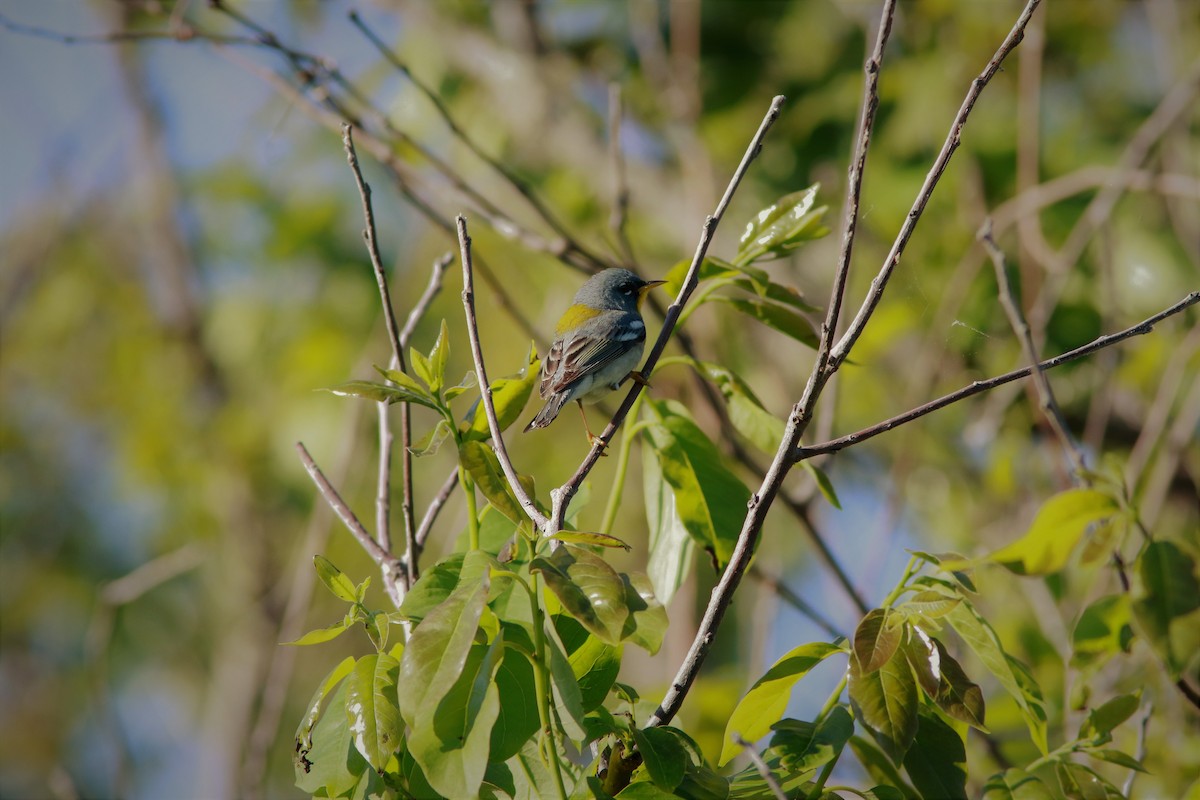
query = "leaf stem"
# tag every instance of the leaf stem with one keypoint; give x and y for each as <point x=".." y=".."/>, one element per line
<point x="913" y="562"/>
<point x="468" y="485"/>
<point x="628" y="437"/>
<point x="542" y="687"/>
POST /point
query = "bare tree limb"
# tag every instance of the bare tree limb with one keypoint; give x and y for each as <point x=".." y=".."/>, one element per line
<point x="485" y="388"/>
<point x="1142" y="328"/>
<point x="561" y="497"/>
<point x="953" y="139"/>
<point x="435" y="508"/>
<point x="1016" y="318"/>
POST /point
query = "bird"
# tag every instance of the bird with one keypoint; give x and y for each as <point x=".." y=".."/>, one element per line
<point x="598" y="342"/>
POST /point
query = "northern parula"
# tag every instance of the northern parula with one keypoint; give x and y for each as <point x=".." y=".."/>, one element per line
<point x="597" y="344"/>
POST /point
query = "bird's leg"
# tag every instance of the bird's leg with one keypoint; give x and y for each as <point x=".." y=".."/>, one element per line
<point x="639" y="379"/>
<point x="593" y="439"/>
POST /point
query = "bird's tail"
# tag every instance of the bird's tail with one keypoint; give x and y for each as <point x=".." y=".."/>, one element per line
<point x="549" y="411"/>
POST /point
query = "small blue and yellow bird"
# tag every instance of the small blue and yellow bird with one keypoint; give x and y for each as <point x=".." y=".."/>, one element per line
<point x="597" y="345"/>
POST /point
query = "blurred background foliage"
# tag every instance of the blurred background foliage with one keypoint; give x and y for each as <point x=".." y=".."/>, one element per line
<point x="182" y="267"/>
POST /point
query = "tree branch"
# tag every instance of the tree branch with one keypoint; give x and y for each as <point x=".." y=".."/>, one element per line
<point x="561" y="497"/>
<point x="485" y="388"/>
<point x="1142" y="328"/>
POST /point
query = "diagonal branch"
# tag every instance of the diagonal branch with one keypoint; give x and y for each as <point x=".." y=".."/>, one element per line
<point x="1142" y="328"/>
<point x="485" y="388"/>
<point x="953" y="139"/>
<point x="561" y="497"/>
<point x="1016" y="319"/>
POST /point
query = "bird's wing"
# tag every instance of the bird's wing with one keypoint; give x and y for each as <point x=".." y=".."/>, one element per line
<point x="583" y="352"/>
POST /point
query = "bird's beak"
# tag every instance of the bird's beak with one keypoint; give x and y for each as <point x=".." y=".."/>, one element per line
<point x="649" y="285"/>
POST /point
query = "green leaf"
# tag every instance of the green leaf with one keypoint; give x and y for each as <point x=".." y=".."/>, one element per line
<point x="663" y="756"/>
<point x="518" y="719"/>
<point x="887" y="700"/>
<point x="565" y="691"/>
<point x="1101" y="722"/>
<point x="767" y="699"/>
<point x="595" y="664"/>
<point x="922" y="655"/>
<point x="937" y="760"/>
<point x="437" y="650"/>
<point x="421" y="367"/>
<point x="480" y="461"/>
<point x="1119" y="758"/>
<point x="647" y="622"/>
<point x="381" y="393"/>
<point x="709" y="499"/>
<point x="1167" y="592"/>
<point x="435" y="585"/>
<point x="468" y="382"/>
<point x="931" y="604"/>
<point x="304" y="742"/>
<point x="981" y="638"/>
<point x="876" y="639"/>
<point x="957" y="695"/>
<point x="437" y="359"/>
<point x="823" y="484"/>
<point x="1059" y="525"/>
<point x="588" y="588"/>
<point x="670" y="544"/>
<point x="331" y="766"/>
<point x="880" y="767"/>
<point x="768" y="289"/>
<point x="1103" y="630"/>
<point x="371" y="709"/>
<point x="1080" y="783"/>
<point x="431" y="442"/>
<point x="510" y="396"/>
<point x="586" y="537"/>
<point x="403" y="381"/>
<point x="710" y="268"/>
<point x="803" y="746"/>
<point x="778" y="317"/>
<point x="334" y="579"/>
<point x="322" y="634"/>
<point x="1015" y="784"/>
<point x="451" y="743"/>
<point x="760" y="427"/>
<point x="782" y="226"/>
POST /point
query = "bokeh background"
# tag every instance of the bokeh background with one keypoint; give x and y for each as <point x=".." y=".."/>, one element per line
<point x="181" y="269"/>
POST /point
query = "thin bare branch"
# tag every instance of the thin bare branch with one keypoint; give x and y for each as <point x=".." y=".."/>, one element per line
<point x="793" y="599"/>
<point x="485" y="388"/>
<point x="761" y="766"/>
<point x="177" y="31"/>
<point x="1016" y="318"/>
<point x="561" y="497"/>
<point x="953" y="139"/>
<point x="1142" y="328"/>
<point x="392" y="565"/>
<point x="435" y="508"/>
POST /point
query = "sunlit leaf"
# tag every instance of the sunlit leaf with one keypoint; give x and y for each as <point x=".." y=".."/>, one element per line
<point x="479" y="460"/>
<point x="403" y="380"/>
<point x="431" y="442"/>
<point x="670" y="544"/>
<point x="509" y="396"/>
<point x="334" y="579"/>
<point x="880" y="767"/>
<point x="824" y="485"/>
<point x="1102" y="721"/>
<point x="322" y="634"/>
<point x="958" y="695"/>
<point x="709" y="499"/>
<point x="590" y="538"/>
<point x="760" y="427"/>
<point x="646" y="624"/>
<point x="1059" y="525"/>
<point x="769" y="290"/>
<point x="1119" y="758"/>
<point x="588" y="588"/>
<point x="381" y="393"/>
<point x="783" y="226"/>
<point x="304" y="741"/>
<point x="331" y="764"/>
<point x="887" y="700"/>
<point x="435" y="585"/>
<point x="1103" y="630"/>
<point x="876" y="639"/>
<point x="421" y="367"/>
<point x="437" y="359"/>
<point x="775" y="316"/>
<point x="1016" y="784"/>
<point x="764" y="704"/>
<point x="594" y="663"/>
<point x="803" y="746"/>
<point x="371" y="708"/>
<point x="981" y="638"/>
<point x="451" y="744"/>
